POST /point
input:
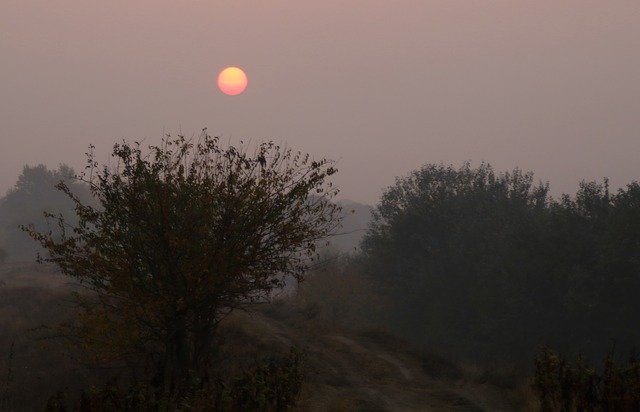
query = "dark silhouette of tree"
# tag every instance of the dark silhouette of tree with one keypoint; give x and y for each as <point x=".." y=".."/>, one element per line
<point x="491" y="267"/>
<point x="182" y="236"/>
<point x="450" y="244"/>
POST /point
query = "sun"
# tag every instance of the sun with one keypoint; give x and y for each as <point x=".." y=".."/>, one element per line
<point x="232" y="81"/>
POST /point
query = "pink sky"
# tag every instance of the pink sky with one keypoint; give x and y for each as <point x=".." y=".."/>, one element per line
<point x="383" y="86"/>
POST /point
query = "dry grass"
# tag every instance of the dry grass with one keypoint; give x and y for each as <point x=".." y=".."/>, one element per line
<point x="359" y="369"/>
<point x="32" y="366"/>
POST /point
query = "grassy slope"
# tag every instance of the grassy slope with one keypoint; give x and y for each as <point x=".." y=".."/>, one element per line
<point x="368" y="371"/>
<point x="345" y="371"/>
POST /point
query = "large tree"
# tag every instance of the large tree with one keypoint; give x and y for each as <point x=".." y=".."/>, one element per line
<point x="184" y="233"/>
<point x="489" y="266"/>
<point x="456" y="249"/>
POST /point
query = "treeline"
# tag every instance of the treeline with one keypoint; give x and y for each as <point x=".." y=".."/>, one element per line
<point x="490" y="267"/>
<point x="486" y="266"/>
<point x="33" y="194"/>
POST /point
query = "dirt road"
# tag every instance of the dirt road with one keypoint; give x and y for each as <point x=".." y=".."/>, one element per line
<point x="347" y="373"/>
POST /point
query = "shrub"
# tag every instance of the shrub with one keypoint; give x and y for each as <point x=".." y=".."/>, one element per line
<point x="183" y="235"/>
<point x="560" y="385"/>
<point x="266" y="385"/>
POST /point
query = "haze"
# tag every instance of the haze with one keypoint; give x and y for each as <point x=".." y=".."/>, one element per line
<point x="384" y="87"/>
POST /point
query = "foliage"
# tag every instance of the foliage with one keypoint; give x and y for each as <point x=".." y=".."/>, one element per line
<point x="182" y="236"/>
<point x="491" y="267"/>
<point x="267" y="385"/>
<point x="580" y="387"/>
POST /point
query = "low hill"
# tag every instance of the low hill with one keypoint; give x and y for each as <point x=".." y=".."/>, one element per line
<point x="370" y="370"/>
<point x="344" y="370"/>
<point x="356" y="218"/>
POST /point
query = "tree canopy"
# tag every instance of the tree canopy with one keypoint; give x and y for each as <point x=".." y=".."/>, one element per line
<point x="184" y="233"/>
<point x="490" y="266"/>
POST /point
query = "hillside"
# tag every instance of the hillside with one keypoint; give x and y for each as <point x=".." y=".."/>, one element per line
<point x="344" y="370"/>
<point x="370" y="370"/>
<point x="356" y="217"/>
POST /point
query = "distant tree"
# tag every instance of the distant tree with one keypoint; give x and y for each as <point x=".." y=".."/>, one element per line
<point x="182" y="236"/>
<point x="25" y="203"/>
<point x="356" y="217"/>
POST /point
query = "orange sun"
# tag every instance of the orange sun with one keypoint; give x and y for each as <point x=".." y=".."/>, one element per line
<point x="232" y="81"/>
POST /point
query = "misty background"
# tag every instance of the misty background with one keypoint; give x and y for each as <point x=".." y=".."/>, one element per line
<point x="457" y="266"/>
<point x="383" y="87"/>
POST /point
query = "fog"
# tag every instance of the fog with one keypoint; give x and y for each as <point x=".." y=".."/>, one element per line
<point x="383" y="87"/>
<point x="449" y="272"/>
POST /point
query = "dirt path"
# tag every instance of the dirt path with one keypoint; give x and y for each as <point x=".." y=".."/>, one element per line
<point x="402" y="368"/>
<point x="348" y="374"/>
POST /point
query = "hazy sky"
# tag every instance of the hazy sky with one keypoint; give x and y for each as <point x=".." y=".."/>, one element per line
<point x="383" y="86"/>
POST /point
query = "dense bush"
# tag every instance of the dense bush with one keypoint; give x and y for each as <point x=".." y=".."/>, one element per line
<point x="561" y="385"/>
<point x="489" y="266"/>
